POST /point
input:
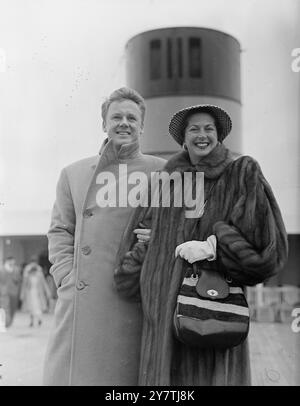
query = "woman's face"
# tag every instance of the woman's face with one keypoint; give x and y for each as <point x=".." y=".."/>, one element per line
<point x="200" y="136"/>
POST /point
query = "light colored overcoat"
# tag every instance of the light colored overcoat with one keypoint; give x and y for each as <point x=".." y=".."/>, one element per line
<point x="96" y="337"/>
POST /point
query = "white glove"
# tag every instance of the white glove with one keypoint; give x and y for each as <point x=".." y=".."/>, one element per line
<point x="193" y="251"/>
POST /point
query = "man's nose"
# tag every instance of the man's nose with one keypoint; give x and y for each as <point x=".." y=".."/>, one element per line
<point x="124" y="121"/>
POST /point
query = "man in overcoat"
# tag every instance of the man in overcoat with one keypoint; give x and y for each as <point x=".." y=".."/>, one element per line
<point x="96" y="336"/>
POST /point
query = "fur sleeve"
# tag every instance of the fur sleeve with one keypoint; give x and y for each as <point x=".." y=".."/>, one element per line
<point x="131" y="256"/>
<point x="252" y="245"/>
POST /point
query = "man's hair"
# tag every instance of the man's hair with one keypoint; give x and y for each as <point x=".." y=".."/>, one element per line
<point x="124" y="93"/>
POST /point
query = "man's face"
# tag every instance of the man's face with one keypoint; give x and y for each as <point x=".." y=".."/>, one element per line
<point x="123" y="123"/>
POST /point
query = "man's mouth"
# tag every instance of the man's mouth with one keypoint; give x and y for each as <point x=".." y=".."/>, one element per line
<point x="123" y="132"/>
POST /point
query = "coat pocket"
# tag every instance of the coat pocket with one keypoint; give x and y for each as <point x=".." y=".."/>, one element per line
<point x="66" y="289"/>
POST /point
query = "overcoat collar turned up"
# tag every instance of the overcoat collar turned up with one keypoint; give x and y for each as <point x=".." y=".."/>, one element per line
<point x="125" y="153"/>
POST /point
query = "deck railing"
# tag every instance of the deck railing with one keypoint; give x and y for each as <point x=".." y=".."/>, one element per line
<point x="273" y="304"/>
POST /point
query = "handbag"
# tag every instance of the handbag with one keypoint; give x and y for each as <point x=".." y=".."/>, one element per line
<point x="210" y="311"/>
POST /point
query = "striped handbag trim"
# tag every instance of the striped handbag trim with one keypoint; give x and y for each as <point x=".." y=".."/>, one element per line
<point x="234" y="307"/>
<point x="237" y="299"/>
<point x="213" y="305"/>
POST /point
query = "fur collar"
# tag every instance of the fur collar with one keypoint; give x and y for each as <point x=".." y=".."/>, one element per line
<point x="212" y="165"/>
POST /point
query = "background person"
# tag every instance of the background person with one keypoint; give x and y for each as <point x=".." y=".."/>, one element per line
<point x="10" y="286"/>
<point x="35" y="294"/>
<point x="241" y="234"/>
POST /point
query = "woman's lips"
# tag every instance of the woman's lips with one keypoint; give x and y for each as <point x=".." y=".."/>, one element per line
<point x="201" y="145"/>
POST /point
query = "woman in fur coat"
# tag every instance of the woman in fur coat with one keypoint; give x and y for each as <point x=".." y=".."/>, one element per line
<point x="240" y="233"/>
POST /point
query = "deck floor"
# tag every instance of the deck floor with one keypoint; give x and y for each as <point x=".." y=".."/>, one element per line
<point x="274" y="352"/>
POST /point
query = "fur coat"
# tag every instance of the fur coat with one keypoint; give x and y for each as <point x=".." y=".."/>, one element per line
<point x="242" y="212"/>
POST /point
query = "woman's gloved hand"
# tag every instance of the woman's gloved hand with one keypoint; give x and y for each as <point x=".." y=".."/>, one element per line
<point x="193" y="251"/>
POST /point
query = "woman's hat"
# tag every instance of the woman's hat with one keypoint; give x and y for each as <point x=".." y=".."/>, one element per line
<point x="177" y="122"/>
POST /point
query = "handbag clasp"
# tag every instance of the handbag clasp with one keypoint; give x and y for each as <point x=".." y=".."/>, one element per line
<point x="212" y="292"/>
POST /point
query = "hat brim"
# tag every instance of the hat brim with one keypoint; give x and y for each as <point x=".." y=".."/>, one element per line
<point x="176" y="125"/>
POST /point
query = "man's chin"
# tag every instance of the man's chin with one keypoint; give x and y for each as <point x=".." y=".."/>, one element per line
<point x="118" y="142"/>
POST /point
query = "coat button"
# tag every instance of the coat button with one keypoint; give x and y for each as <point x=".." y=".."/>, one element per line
<point x="87" y="213"/>
<point x="81" y="285"/>
<point x="86" y="250"/>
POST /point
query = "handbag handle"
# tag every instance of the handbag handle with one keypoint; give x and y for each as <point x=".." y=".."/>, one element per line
<point x="195" y="269"/>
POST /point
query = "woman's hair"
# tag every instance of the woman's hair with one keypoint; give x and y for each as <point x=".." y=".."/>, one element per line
<point x="203" y="110"/>
<point x="124" y="93"/>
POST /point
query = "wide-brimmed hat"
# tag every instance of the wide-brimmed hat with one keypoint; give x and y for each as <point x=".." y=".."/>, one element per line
<point x="177" y="122"/>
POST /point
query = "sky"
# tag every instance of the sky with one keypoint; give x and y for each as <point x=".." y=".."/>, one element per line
<point x="59" y="59"/>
